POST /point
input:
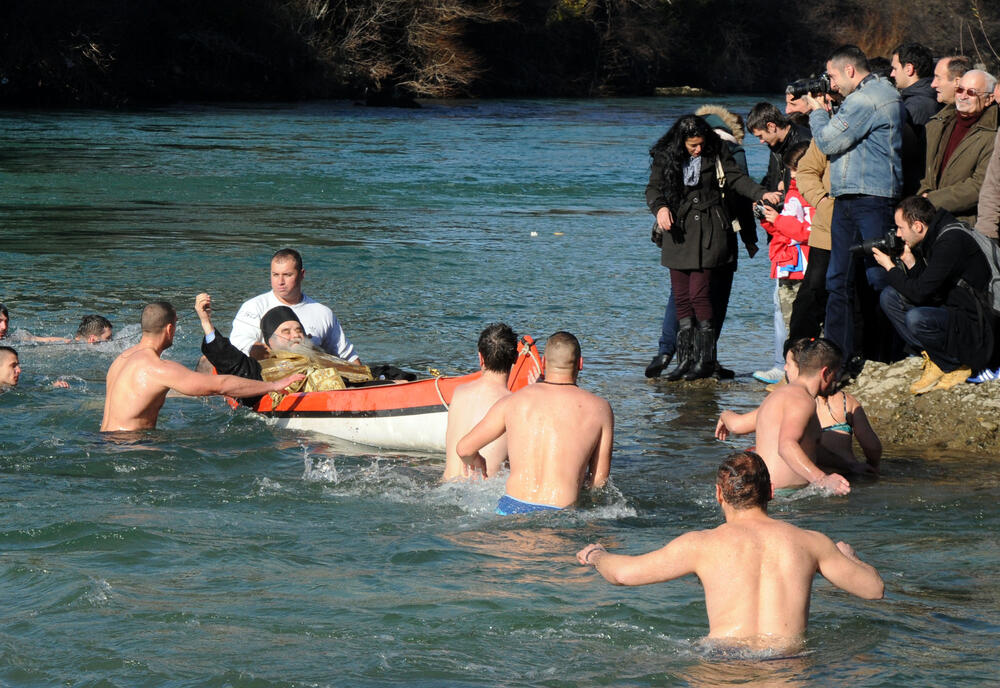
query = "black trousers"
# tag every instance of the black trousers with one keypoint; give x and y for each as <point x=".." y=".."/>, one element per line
<point x="809" y="307"/>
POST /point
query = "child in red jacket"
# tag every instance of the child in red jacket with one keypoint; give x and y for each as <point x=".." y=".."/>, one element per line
<point x="789" y="248"/>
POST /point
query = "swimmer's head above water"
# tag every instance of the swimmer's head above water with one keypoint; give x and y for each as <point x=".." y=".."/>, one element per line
<point x="94" y="329"/>
<point x="497" y="348"/>
<point x="10" y="367"/>
<point x="743" y="481"/>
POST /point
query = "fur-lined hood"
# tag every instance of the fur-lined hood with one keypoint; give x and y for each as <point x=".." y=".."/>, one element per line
<point x="732" y="121"/>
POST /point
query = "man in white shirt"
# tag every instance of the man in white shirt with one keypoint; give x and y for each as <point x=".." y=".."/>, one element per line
<point x="319" y="322"/>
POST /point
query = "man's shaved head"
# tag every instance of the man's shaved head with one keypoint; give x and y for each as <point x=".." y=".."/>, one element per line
<point x="562" y="352"/>
<point x="157" y="316"/>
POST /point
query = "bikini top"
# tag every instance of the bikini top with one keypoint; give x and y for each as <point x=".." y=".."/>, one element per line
<point x="844" y="427"/>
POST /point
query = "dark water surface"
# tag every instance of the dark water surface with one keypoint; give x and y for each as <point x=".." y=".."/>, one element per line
<point x="218" y="551"/>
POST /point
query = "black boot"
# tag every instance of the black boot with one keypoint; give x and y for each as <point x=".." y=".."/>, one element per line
<point x="723" y="373"/>
<point x="704" y="352"/>
<point x="658" y="365"/>
<point x="685" y="349"/>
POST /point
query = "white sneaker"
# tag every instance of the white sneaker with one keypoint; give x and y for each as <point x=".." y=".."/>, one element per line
<point x="769" y="377"/>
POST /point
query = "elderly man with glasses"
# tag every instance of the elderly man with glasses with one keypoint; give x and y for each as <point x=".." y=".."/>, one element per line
<point x="960" y="142"/>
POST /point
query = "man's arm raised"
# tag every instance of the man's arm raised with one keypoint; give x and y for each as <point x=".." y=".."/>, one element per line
<point x="677" y="558"/>
<point x="841" y="566"/>
<point x="794" y="421"/>
<point x="177" y="377"/>
<point x="488" y="429"/>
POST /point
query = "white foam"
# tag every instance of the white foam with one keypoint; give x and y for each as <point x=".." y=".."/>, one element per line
<point x="99" y="593"/>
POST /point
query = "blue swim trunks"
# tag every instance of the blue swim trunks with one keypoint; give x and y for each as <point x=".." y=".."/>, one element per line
<point x="508" y="505"/>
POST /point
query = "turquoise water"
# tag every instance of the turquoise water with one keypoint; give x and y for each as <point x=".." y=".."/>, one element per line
<point x="220" y="551"/>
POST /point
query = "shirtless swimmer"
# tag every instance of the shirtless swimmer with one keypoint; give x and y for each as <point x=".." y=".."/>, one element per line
<point x="138" y="380"/>
<point x="788" y="431"/>
<point x="559" y="436"/>
<point x="757" y="571"/>
<point x="470" y="402"/>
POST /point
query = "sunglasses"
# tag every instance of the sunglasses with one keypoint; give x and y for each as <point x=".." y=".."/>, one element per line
<point x="973" y="93"/>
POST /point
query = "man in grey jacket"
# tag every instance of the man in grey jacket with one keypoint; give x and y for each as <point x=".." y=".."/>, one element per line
<point x="863" y="141"/>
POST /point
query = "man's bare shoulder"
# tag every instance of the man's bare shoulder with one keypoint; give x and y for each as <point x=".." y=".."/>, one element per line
<point x="785" y="397"/>
<point x="479" y="387"/>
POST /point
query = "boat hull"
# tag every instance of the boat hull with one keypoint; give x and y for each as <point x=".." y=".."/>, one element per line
<point x="408" y="416"/>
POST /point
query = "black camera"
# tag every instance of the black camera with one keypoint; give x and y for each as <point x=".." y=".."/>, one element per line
<point x="889" y="244"/>
<point x="816" y="86"/>
<point x="758" y="209"/>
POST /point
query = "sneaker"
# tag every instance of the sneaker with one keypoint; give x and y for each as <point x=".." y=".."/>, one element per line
<point x="929" y="378"/>
<point x="955" y="377"/>
<point x="985" y="376"/>
<point x="769" y="377"/>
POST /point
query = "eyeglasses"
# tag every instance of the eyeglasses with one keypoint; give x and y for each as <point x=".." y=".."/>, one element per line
<point x="973" y="93"/>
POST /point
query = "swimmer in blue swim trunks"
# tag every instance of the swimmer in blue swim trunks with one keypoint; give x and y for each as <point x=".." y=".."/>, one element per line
<point x="508" y="506"/>
<point x="559" y="436"/>
<point x="757" y="571"/>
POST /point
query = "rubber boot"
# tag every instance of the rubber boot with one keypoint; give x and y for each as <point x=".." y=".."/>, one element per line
<point x="685" y="349"/>
<point x="704" y="352"/>
<point x="658" y="365"/>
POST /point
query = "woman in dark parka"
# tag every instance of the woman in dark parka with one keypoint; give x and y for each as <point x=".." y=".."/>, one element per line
<point x="694" y="229"/>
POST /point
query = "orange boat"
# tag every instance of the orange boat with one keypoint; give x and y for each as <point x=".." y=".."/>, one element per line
<point x="404" y="416"/>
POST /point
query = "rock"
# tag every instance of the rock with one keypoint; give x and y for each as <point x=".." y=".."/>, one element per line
<point x="690" y="91"/>
<point x="964" y="417"/>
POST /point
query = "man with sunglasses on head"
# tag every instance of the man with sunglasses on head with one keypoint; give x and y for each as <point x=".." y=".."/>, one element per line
<point x="960" y="142"/>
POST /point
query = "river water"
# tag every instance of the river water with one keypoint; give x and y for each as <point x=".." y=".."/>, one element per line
<point x="220" y="551"/>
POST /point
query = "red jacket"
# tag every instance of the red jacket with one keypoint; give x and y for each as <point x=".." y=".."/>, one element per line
<point x="789" y="250"/>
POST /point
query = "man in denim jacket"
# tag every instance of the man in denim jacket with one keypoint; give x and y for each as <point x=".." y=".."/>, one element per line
<point x="863" y="141"/>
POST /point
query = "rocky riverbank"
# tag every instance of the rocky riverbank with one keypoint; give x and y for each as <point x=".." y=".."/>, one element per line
<point x="966" y="417"/>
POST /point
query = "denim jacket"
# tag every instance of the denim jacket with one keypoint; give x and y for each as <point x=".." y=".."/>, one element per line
<point x="864" y="140"/>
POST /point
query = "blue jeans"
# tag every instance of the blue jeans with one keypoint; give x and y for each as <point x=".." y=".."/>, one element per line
<point x="925" y="328"/>
<point x="719" y="290"/>
<point x="855" y="218"/>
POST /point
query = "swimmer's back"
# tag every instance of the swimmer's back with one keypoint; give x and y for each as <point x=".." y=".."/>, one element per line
<point x="134" y="397"/>
<point x="757" y="579"/>
<point x="469" y="405"/>
<point x="555" y="433"/>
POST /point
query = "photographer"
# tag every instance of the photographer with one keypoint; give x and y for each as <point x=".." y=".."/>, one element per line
<point x="863" y="141"/>
<point x="935" y="300"/>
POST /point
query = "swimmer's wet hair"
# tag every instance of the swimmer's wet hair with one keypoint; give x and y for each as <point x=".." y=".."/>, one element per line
<point x="3" y="311"/>
<point x="812" y="355"/>
<point x="498" y="347"/>
<point x="93" y="325"/>
<point x="745" y="480"/>
<point x="288" y="254"/>
<point x="8" y="350"/>
<point x="156" y="316"/>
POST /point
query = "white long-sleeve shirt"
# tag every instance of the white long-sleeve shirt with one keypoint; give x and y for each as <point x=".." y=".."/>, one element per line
<point x="319" y="322"/>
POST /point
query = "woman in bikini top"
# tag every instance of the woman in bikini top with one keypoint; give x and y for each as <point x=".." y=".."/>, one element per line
<point x="837" y="438"/>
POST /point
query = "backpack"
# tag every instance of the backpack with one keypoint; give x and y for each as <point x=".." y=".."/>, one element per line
<point x="991" y="251"/>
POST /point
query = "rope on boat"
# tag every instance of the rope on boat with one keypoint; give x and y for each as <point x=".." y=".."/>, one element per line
<point x="538" y="363"/>
<point x="437" y="388"/>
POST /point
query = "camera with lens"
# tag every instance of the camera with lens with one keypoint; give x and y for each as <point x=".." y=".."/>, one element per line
<point x="815" y="86"/>
<point x="758" y="209"/>
<point x="889" y="244"/>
